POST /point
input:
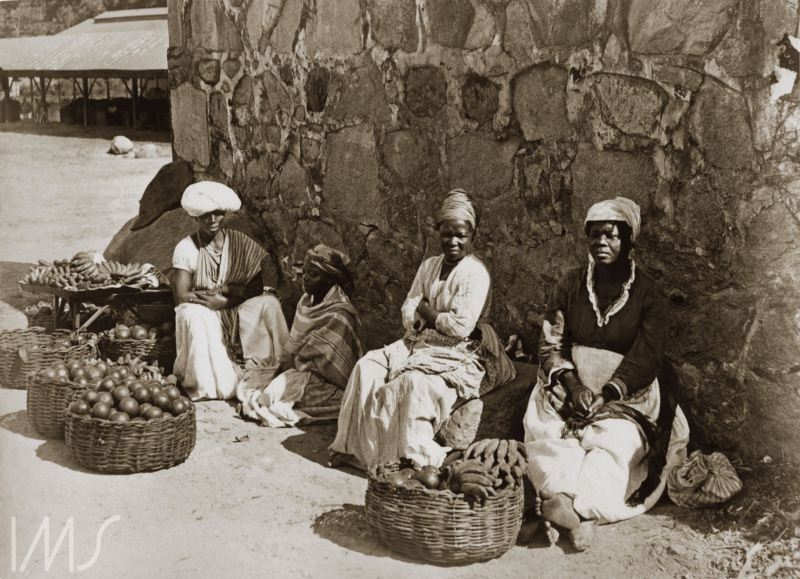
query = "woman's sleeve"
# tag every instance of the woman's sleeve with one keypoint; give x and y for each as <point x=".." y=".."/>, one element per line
<point x="467" y="304"/>
<point x="414" y="297"/>
<point x="555" y="341"/>
<point x="183" y="257"/>
<point x="642" y="363"/>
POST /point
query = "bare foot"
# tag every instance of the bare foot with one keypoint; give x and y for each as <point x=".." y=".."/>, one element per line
<point x="583" y="537"/>
<point x="552" y="534"/>
<point x="557" y="508"/>
<point x="335" y="461"/>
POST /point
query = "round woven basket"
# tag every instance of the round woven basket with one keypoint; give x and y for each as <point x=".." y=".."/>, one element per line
<point x="47" y="402"/>
<point x="129" y="447"/>
<point x="25" y="352"/>
<point x="441" y="526"/>
<point x="161" y="350"/>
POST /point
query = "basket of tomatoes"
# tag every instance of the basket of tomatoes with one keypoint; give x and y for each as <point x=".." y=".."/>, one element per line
<point x="50" y="391"/>
<point x="125" y="426"/>
<point x="468" y="510"/>
<point x="26" y="352"/>
<point x="153" y="344"/>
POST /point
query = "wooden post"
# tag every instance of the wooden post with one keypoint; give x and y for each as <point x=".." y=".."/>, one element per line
<point x="134" y="98"/>
<point x="108" y="89"/>
<point x="74" y="91"/>
<point x="85" y="101"/>
<point x="6" y="94"/>
<point x="43" y="103"/>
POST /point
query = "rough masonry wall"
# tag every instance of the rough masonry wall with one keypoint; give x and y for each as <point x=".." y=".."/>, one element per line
<point x="346" y="122"/>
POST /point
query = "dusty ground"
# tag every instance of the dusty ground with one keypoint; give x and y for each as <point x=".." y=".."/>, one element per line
<point x="266" y="505"/>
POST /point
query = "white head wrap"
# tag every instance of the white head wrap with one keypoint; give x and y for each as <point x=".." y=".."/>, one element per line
<point x="619" y="209"/>
<point x="208" y="196"/>
<point x="457" y="205"/>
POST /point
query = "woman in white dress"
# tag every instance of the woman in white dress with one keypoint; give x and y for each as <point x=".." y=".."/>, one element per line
<point x="222" y="322"/>
<point x="397" y="397"/>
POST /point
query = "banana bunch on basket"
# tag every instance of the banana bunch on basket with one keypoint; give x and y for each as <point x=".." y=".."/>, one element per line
<point x="82" y="272"/>
<point x="487" y="467"/>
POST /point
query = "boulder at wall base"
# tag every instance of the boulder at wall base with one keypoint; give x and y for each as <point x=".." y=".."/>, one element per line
<point x="156" y="243"/>
<point x="164" y="192"/>
<point x="121" y="146"/>
<point x="149" y="151"/>
<point x="498" y="414"/>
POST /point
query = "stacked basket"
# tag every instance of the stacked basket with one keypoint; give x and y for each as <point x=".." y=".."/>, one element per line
<point x="150" y="350"/>
<point x="25" y="352"/>
<point x="441" y="526"/>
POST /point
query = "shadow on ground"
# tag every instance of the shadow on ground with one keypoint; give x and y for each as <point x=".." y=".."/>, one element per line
<point x="91" y="132"/>
<point x="56" y="451"/>
<point x="313" y="445"/>
<point x="17" y="423"/>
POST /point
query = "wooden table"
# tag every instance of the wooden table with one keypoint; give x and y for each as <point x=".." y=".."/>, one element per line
<point x="95" y="296"/>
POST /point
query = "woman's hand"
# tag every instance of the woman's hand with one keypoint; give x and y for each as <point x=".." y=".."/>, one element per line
<point x="427" y="313"/>
<point x="582" y="398"/>
<point x="212" y="300"/>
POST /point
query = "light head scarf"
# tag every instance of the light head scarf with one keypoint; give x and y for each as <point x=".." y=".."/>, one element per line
<point x="334" y="263"/>
<point x="619" y="209"/>
<point x="207" y="196"/>
<point x="458" y="205"/>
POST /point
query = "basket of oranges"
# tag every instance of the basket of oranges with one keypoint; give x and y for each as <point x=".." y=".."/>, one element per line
<point x="26" y="352"/>
<point x="148" y="343"/>
<point x="127" y="426"/>
<point x="51" y="390"/>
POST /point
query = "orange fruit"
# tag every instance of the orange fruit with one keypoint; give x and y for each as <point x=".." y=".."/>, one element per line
<point x="77" y="372"/>
<point x="107" y="385"/>
<point x="172" y="391"/>
<point x="143" y="408"/>
<point x="138" y="419"/>
<point x="162" y="400"/>
<point x="141" y="394"/>
<point x="80" y="407"/>
<point x="427" y="478"/>
<point x="89" y="396"/>
<point x="178" y="407"/>
<point x="101" y="410"/>
<point x="153" y="412"/>
<point x="121" y="392"/>
<point x="104" y="398"/>
<point x="129" y="406"/>
<point x="138" y="333"/>
<point x="119" y="417"/>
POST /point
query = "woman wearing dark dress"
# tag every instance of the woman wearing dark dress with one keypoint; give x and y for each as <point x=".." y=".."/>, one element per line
<point x="591" y="420"/>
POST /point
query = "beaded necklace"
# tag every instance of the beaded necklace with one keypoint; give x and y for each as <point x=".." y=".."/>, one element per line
<point x="619" y="303"/>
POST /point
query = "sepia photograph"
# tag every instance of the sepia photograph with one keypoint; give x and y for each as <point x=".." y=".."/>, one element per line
<point x="454" y="289"/>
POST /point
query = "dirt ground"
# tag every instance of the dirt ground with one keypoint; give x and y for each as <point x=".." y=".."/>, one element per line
<point x="252" y="501"/>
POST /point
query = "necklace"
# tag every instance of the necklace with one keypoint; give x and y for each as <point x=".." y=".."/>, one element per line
<point x="619" y="303"/>
<point x="448" y="263"/>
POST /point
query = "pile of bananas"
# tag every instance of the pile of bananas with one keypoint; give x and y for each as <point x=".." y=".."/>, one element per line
<point x="487" y="467"/>
<point x="83" y="273"/>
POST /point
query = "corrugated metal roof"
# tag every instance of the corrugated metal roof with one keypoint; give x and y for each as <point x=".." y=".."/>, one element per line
<point x="126" y="47"/>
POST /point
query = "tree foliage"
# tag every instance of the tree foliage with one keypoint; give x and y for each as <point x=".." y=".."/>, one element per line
<point x="45" y="17"/>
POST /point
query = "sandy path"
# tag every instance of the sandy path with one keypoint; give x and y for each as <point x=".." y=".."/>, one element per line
<point x="60" y="195"/>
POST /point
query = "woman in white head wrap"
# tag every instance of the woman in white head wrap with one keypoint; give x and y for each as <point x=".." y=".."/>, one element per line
<point x="222" y="322"/>
<point x="398" y="397"/>
<point x="595" y="419"/>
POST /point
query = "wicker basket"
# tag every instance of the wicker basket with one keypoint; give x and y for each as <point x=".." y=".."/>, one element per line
<point x="25" y="352"/>
<point x="441" y="526"/>
<point x="161" y="350"/>
<point x="130" y="447"/>
<point x="47" y="402"/>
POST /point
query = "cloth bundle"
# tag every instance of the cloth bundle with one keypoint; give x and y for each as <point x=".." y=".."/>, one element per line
<point x="703" y="481"/>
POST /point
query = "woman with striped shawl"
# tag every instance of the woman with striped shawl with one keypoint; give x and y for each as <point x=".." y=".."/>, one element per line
<point x="399" y="396"/>
<point x="222" y="322"/>
<point x="319" y="355"/>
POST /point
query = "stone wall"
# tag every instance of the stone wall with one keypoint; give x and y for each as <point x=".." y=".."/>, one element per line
<point x="346" y="121"/>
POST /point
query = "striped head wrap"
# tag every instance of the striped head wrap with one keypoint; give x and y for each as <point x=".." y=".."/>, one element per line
<point x="459" y="205"/>
<point x="334" y="263"/>
<point x="619" y="209"/>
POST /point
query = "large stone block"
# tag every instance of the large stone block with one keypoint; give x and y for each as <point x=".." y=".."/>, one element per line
<point x="609" y="174"/>
<point x="426" y="91"/>
<point x="175" y="22"/>
<point x="317" y="83"/>
<point x="208" y="70"/>
<point x="518" y="38"/>
<point x="261" y="18"/>
<point x="351" y="180"/>
<point x="363" y="96"/>
<point x="190" y="124"/>
<point x="164" y="192"/>
<point x="257" y="177"/>
<point x="291" y="184"/>
<point x="699" y="216"/>
<point x="480" y="165"/>
<point x="450" y="21"/>
<point x="402" y="157"/>
<point x="394" y="23"/>
<point x="212" y="29"/>
<point x="285" y="31"/>
<point x="679" y="26"/>
<point x="480" y="98"/>
<point x="276" y="96"/>
<point x="568" y="22"/>
<point x="338" y="27"/>
<point x="498" y="414"/>
<point x="719" y="123"/>
<point x="633" y="105"/>
<point x="311" y="233"/>
<point x="770" y="255"/>
<point x="539" y="101"/>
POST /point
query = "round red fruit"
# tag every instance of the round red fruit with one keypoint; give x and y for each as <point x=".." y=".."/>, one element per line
<point x="119" y="417"/>
<point x="80" y="407"/>
<point x="153" y="412"/>
<point x="162" y="400"/>
<point x="101" y="410"/>
<point x="129" y="406"/>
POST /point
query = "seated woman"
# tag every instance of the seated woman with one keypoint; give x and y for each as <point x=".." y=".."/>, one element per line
<point x="222" y="321"/>
<point x="591" y="423"/>
<point x="398" y="397"/>
<point x="319" y="355"/>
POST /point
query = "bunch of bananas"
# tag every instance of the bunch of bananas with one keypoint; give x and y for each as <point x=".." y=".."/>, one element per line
<point x="83" y="273"/>
<point x="487" y="467"/>
<point x="127" y="274"/>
